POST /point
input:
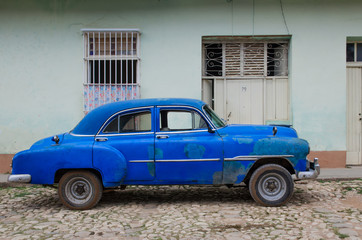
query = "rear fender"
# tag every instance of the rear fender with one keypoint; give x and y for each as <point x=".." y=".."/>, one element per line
<point x="43" y="163"/>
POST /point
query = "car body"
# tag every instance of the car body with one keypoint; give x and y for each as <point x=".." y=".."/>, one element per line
<point x="164" y="142"/>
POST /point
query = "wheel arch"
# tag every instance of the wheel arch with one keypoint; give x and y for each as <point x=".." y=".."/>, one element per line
<point x="60" y="173"/>
<point x="263" y="161"/>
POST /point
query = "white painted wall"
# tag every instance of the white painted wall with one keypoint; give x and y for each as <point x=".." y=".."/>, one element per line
<point x="41" y="50"/>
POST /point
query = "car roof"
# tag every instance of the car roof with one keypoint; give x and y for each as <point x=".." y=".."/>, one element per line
<point x="94" y="120"/>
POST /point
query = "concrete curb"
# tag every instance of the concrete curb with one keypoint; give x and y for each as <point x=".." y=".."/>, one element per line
<point x="338" y="179"/>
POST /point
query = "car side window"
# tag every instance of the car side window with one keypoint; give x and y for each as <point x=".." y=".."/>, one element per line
<point x="129" y="123"/>
<point x="181" y="120"/>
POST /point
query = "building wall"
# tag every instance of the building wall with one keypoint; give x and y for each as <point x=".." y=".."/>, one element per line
<point x="41" y="51"/>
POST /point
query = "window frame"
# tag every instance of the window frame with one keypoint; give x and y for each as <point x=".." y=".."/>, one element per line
<point x="128" y="112"/>
<point x="355" y="55"/>
<point x="181" y="108"/>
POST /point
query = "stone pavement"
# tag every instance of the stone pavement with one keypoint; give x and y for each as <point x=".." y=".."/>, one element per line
<point x="318" y="210"/>
<point x="324" y="209"/>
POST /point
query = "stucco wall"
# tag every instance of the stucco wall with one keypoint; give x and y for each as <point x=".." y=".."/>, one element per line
<point x="41" y="51"/>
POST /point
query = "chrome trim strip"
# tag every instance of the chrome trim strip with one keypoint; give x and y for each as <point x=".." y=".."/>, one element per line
<point x="241" y="159"/>
<point x="80" y="135"/>
<point x="140" y="161"/>
<point x="20" y="178"/>
<point x="189" y="160"/>
<point x="125" y="110"/>
<point x="255" y="157"/>
<point x="188" y="131"/>
<point x="124" y="134"/>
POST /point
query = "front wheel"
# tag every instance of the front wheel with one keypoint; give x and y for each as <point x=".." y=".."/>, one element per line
<point x="80" y="190"/>
<point x="271" y="185"/>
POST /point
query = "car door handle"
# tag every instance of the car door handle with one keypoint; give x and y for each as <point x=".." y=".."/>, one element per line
<point x="101" y="139"/>
<point x="162" y="136"/>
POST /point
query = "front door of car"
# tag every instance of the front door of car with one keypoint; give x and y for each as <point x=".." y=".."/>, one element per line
<point x="131" y="133"/>
<point x="185" y="151"/>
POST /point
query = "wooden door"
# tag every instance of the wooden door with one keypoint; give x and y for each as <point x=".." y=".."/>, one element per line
<point x="245" y="101"/>
<point x="354" y="123"/>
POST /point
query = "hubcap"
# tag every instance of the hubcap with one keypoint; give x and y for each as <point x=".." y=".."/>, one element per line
<point x="78" y="190"/>
<point x="272" y="187"/>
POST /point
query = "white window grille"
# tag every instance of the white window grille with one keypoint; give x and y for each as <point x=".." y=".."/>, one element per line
<point x="111" y="66"/>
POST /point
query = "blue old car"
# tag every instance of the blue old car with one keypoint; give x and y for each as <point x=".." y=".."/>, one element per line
<point x="164" y="142"/>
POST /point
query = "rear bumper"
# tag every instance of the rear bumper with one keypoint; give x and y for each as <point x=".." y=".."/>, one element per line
<point x="313" y="173"/>
<point x="20" y="178"/>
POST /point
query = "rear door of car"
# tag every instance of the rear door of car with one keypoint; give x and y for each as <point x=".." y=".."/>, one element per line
<point x="185" y="151"/>
<point x="131" y="133"/>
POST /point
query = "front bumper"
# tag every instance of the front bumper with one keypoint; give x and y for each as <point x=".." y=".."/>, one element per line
<point x="314" y="171"/>
<point x="20" y="178"/>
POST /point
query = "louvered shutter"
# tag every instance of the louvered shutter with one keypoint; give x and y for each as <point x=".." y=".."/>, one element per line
<point x="232" y="59"/>
<point x="254" y="56"/>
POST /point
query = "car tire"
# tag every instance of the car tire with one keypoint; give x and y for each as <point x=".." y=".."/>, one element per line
<point x="271" y="185"/>
<point x="80" y="190"/>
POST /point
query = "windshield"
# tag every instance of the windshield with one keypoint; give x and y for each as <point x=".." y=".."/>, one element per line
<point x="214" y="117"/>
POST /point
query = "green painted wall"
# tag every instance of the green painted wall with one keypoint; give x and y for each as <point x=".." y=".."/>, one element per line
<point x="41" y="51"/>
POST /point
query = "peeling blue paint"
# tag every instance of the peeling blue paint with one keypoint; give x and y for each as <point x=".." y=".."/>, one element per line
<point x="233" y="170"/>
<point x="249" y="166"/>
<point x="158" y="153"/>
<point x="282" y="146"/>
<point x="154" y="153"/>
<point x="242" y="140"/>
<point x="194" y="151"/>
<point x="151" y="168"/>
<point x="217" y="177"/>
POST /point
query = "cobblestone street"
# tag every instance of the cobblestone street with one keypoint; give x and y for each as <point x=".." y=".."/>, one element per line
<point x="318" y="210"/>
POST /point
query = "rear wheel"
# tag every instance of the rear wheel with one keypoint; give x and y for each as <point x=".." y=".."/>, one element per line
<point x="80" y="190"/>
<point x="271" y="185"/>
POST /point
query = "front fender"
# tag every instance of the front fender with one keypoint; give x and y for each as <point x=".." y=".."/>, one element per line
<point x="111" y="163"/>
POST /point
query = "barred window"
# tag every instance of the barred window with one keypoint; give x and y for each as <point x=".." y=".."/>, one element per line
<point x="111" y="65"/>
<point x="234" y="58"/>
<point x="354" y="52"/>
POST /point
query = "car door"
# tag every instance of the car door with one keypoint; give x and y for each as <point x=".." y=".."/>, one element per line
<point x="185" y="151"/>
<point x="131" y="133"/>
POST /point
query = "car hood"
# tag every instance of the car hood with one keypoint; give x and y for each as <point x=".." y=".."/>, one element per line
<point x="257" y="130"/>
